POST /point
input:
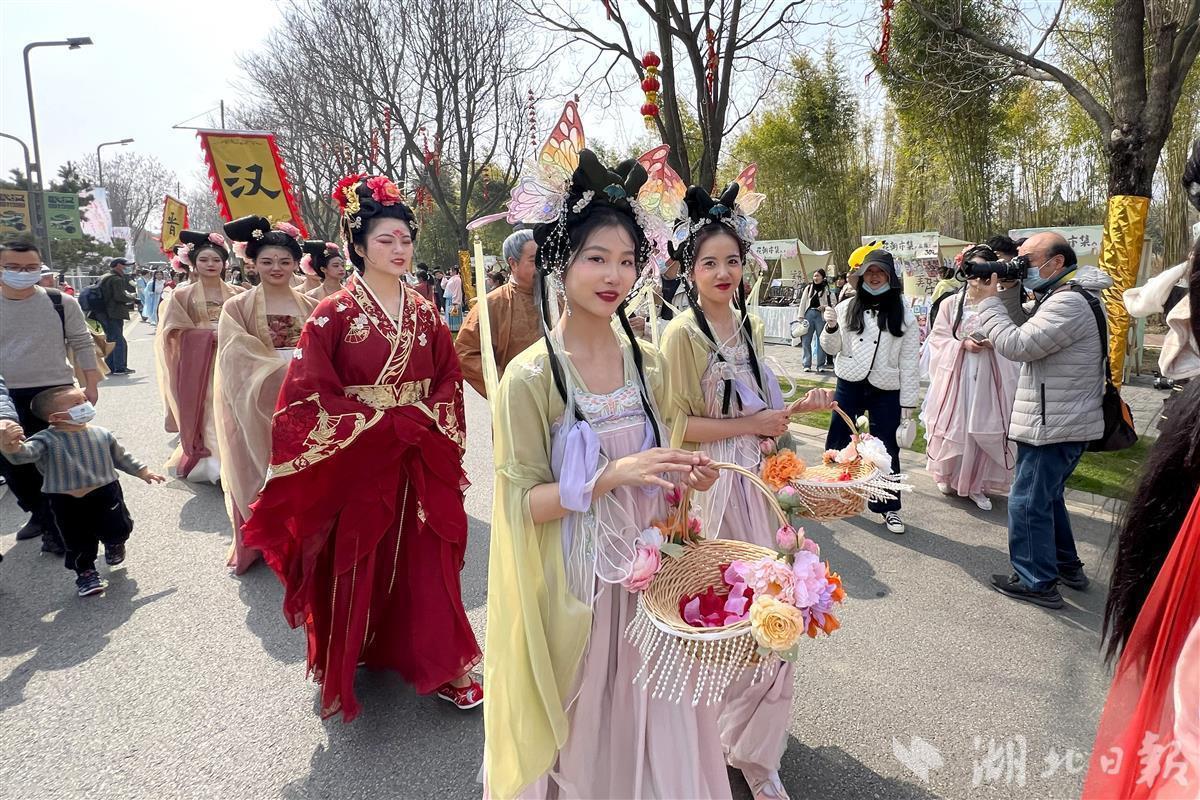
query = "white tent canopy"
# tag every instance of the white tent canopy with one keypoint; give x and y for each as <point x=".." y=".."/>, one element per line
<point x="794" y="257"/>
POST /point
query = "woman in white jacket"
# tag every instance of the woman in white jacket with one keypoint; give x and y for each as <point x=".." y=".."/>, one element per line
<point x="875" y="341"/>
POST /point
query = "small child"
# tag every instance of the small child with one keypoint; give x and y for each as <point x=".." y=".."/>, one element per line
<point x="78" y="463"/>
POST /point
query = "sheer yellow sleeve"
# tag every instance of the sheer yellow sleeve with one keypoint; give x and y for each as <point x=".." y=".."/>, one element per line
<point x="537" y="629"/>
<point x="686" y="359"/>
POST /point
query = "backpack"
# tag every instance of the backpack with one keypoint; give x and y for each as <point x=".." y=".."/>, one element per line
<point x="56" y="300"/>
<point x="91" y="299"/>
<point x="1119" y="431"/>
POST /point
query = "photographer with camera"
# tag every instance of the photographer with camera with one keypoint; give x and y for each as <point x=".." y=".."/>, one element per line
<point x="1058" y="405"/>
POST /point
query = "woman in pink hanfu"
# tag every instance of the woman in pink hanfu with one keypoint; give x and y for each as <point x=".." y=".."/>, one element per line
<point x="970" y="400"/>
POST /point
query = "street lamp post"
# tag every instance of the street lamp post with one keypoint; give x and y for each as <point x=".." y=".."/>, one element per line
<point x="100" y="164"/>
<point x="73" y="43"/>
<point x="25" y="151"/>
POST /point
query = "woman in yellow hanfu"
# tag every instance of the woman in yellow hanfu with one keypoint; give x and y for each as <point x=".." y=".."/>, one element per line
<point x="581" y="474"/>
<point x="729" y="402"/>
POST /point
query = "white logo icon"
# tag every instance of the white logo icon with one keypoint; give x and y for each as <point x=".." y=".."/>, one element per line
<point x="920" y="756"/>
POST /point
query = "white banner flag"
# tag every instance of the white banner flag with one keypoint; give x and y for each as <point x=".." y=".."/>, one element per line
<point x="97" y="218"/>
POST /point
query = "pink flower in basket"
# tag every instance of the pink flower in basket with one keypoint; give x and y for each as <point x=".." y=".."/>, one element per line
<point x="737" y="603"/>
<point x="646" y="563"/>
<point x="786" y="539"/>
<point x="810" y="579"/>
<point x="675" y="496"/>
<point x="766" y="446"/>
<point x="847" y="455"/>
<point x="765" y="576"/>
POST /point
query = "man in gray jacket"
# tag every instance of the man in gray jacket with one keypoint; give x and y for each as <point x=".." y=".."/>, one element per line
<point x="1057" y="410"/>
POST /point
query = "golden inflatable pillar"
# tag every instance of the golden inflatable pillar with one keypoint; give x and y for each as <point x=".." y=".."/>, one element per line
<point x="1121" y="257"/>
<point x="468" y="280"/>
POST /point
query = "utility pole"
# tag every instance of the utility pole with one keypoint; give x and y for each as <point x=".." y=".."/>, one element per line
<point x="43" y="211"/>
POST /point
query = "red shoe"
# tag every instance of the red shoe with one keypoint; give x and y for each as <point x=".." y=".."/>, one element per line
<point x="464" y="697"/>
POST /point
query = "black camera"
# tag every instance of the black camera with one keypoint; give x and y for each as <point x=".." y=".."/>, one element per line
<point x="1014" y="270"/>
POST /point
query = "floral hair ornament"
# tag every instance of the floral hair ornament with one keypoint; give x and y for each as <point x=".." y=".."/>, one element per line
<point x="361" y="197"/>
<point x="288" y="228"/>
<point x="216" y="239"/>
<point x="734" y="207"/>
<point x="541" y="194"/>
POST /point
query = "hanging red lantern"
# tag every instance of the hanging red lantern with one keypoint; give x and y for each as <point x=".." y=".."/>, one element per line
<point x="650" y="86"/>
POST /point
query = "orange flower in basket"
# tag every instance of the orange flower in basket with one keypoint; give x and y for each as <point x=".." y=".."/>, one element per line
<point x="839" y="594"/>
<point x="830" y="625"/>
<point x="779" y="470"/>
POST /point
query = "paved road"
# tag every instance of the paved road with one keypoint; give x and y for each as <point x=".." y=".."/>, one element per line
<point x="183" y="681"/>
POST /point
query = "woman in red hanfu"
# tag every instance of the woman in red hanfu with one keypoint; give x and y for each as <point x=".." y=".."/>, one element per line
<point x="362" y="514"/>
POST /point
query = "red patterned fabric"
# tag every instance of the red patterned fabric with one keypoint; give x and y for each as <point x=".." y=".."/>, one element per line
<point x="1143" y="748"/>
<point x="362" y="516"/>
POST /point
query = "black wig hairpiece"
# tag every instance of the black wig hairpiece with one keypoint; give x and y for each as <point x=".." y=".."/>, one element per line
<point x="598" y="197"/>
<point x="257" y="233"/>
<point x="192" y="242"/>
<point x="708" y="216"/>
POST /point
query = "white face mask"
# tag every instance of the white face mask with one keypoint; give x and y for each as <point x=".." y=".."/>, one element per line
<point x="15" y="279"/>
<point x="84" y="412"/>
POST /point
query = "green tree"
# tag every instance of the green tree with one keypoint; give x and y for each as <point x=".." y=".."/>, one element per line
<point x="811" y="153"/>
<point x="954" y="97"/>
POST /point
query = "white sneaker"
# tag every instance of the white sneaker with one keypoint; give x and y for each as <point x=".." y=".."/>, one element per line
<point x="893" y="522"/>
<point x="945" y="489"/>
<point x="982" y="500"/>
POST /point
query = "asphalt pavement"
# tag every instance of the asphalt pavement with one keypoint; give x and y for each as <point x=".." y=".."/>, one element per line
<point x="184" y="680"/>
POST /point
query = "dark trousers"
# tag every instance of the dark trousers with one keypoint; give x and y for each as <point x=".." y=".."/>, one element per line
<point x="98" y="516"/>
<point x="1040" y="540"/>
<point x="114" y="331"/>
<point x="883" y="409"/>
<point x="24" y="479"/>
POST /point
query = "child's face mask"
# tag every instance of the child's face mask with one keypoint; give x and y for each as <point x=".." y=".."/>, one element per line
<point x="83" y="413"/>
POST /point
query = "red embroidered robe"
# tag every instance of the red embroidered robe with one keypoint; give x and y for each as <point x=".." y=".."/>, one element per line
<point x="362" y="515"/>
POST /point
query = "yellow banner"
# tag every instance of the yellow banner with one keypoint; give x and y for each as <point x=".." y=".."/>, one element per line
<point x="468" y="280"/>
<point x="174" y="220"/>
<point x="1120" y="257"/>
<point x="14" y="213"/>
<point x="248" y="177"/>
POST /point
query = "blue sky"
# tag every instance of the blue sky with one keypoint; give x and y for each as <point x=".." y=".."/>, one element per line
<point x="153" y="64"/>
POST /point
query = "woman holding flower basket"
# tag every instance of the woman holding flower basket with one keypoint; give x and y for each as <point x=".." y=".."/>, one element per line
<point x="256" y="340"/>
<point x="726" y="400"/>
<point x="875" y="341"/>
<point x="582" y="506"/>
<point x="186" y="347"/>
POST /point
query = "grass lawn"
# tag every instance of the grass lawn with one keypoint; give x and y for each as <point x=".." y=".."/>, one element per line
<point x="1107" y="474"/>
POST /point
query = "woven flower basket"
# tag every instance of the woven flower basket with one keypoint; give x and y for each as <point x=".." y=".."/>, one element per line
<point x="823" y="496"/>
<point x="674" y="652"/>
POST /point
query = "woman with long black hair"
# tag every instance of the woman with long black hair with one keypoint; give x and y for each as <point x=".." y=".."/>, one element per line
<point x="728" y="402"/>
<point x="875" y="341"/>
<point x="581" y="474"/>
<point x="1152" y="623"/>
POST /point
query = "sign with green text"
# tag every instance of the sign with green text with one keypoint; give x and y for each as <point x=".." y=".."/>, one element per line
<point x="63" y="215"/>
<point x="14" y="213"/>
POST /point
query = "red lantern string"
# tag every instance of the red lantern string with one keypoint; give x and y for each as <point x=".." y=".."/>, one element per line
<point x="650" y="86"/>
<point x="886" y="36"/>
<point x="710" y="70"/>
<point x="532" y="111"/>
